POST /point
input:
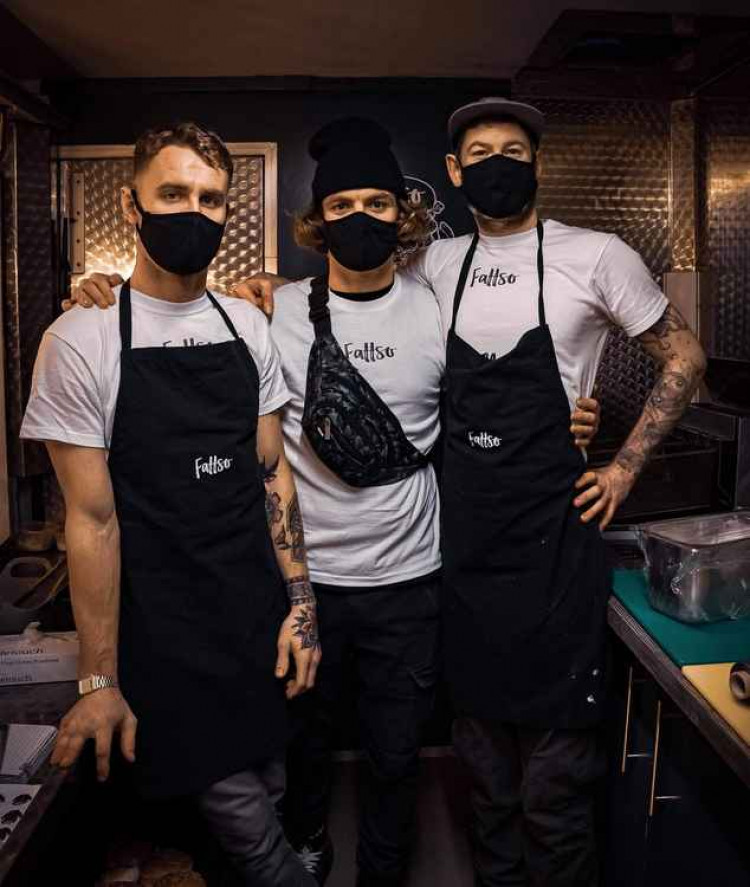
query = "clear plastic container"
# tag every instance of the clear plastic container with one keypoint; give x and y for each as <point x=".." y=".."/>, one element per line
<point x="699" y="567"/>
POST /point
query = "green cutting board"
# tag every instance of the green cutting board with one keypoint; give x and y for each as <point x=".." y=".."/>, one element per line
<point x="727" y="641"/>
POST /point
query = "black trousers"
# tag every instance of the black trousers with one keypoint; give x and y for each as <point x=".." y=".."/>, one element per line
<point x="532" y="803"/>
<point x="385" y="641"/>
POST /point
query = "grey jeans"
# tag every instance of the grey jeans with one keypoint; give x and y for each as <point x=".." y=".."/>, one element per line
<point x="241" y="812"/>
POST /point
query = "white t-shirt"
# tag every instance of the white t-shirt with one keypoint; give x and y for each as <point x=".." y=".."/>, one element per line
<point x="592" y="281"/>
<point x="77" y="371"/>
<point x="371" y="535"/>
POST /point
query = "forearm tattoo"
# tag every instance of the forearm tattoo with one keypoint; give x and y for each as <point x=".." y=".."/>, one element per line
<point x="300" y="591"/>
<point x="287" y="534"/>
<point x="296" y="531"/>
<point x="306" y="627"/>
<point x="669" y="398"/>
<point x="269" y="472"/>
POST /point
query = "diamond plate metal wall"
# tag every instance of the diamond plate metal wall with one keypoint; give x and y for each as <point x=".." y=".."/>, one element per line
<point x="606" y="166"/>
<point x="110" y="240"/>
<point x="726" y="149"/>
<point x="683" y="185"/>
<point x="28" y="290"/>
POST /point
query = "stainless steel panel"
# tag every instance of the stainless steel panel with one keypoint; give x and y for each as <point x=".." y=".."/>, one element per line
<point x="29" y="277"/>
<point x="683" y="196"/>
<point x="726" y="144"/>
<point x="606" y="166"/>
<point x="690" y="293"/>
<point x="109" y="241"/>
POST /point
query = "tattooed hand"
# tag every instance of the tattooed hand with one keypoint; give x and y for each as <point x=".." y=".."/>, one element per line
<point x="298" y="638"/>
<point x="607" y="488"/>
<point x="681" y="363"/>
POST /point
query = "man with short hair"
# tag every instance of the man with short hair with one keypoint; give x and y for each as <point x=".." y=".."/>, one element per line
<point x="161" y="420"/>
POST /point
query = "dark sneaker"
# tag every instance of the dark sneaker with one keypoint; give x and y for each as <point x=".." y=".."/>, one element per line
<point x="316" y="855"/>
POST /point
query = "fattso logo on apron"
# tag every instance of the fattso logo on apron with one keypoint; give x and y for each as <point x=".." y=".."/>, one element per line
<point x="210" y="465"/>
<point x="484" y="440"/>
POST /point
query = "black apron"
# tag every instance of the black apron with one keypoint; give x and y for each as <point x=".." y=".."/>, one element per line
<point x="526" y="583"/>
<point x="202" y="597"/>
<point x="348" y="425"/>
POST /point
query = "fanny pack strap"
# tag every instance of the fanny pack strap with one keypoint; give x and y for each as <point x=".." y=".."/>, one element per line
<point x="319" y="315"/>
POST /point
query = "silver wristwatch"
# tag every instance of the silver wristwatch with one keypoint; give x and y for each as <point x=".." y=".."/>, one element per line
<point x="95" y="682"/>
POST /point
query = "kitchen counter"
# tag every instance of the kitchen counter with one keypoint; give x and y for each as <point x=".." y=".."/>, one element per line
<point x="674" y="683"/>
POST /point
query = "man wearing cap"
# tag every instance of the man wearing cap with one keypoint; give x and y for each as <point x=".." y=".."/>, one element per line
<point x="526" y="307"/>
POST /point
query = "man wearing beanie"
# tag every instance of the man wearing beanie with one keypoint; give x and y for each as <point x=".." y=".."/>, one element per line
<point x="526" y="307"/>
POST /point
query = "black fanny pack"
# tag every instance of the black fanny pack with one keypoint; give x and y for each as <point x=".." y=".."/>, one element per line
<point x="351" y="430"/>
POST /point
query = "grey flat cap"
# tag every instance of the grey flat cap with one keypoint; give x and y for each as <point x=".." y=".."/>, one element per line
<point x="530" y="116"/>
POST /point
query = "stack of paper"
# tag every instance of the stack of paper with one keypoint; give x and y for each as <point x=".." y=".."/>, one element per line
<point x="23" y="749"/>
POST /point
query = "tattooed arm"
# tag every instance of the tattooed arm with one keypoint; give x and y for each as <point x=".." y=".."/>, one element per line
<point x="299" y="633"/>
<point x="681" y="363"/>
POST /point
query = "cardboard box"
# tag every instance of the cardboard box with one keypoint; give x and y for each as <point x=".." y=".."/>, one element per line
<point x="37" y="658"/>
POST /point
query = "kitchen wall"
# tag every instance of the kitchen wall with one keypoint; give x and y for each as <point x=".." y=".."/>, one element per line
<point x="725" y="151"/>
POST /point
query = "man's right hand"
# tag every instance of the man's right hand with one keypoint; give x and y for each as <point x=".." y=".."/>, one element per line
<point x="258" y="290"/>
<point x="95" y="290"/>
<point x="97" y="716"/>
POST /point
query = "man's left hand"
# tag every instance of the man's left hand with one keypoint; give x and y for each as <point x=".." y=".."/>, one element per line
<point x="608" y="487"/>
<point x="298" y="638"/>
<point x="584" y="422"/>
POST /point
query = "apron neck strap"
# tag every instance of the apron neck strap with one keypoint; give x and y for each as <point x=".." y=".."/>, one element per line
<point x="320" y="316"/>
<point x="469" y="258"/>
<point x="126" y="316"/>
<point x="223" y="313"/>
<point x="461" y="285"/>
<point x="540" y="270"/>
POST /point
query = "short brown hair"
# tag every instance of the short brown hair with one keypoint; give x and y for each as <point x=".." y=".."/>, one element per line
<point x="206" y="144"/>
<point x="415" y="228"/>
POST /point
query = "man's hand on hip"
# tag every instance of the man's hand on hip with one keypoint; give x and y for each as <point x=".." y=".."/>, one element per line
<point x="608" y="487"/>
<point x="97" y="716"/>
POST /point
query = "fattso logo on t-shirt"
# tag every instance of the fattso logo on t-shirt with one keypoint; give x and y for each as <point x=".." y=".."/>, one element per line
<point x="368" y="352"/>
<point x="492" y="277"/>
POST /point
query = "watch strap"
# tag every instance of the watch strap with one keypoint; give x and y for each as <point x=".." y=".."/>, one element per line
<point x="94" y="682"/>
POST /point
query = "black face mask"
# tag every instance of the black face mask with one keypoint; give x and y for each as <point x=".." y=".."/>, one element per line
<point x="499" y="187"/>
<point x="360" y="242"/>
<point x="181" y="243"/>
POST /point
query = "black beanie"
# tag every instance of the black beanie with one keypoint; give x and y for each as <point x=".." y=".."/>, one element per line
<point x="354" y="153"/>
